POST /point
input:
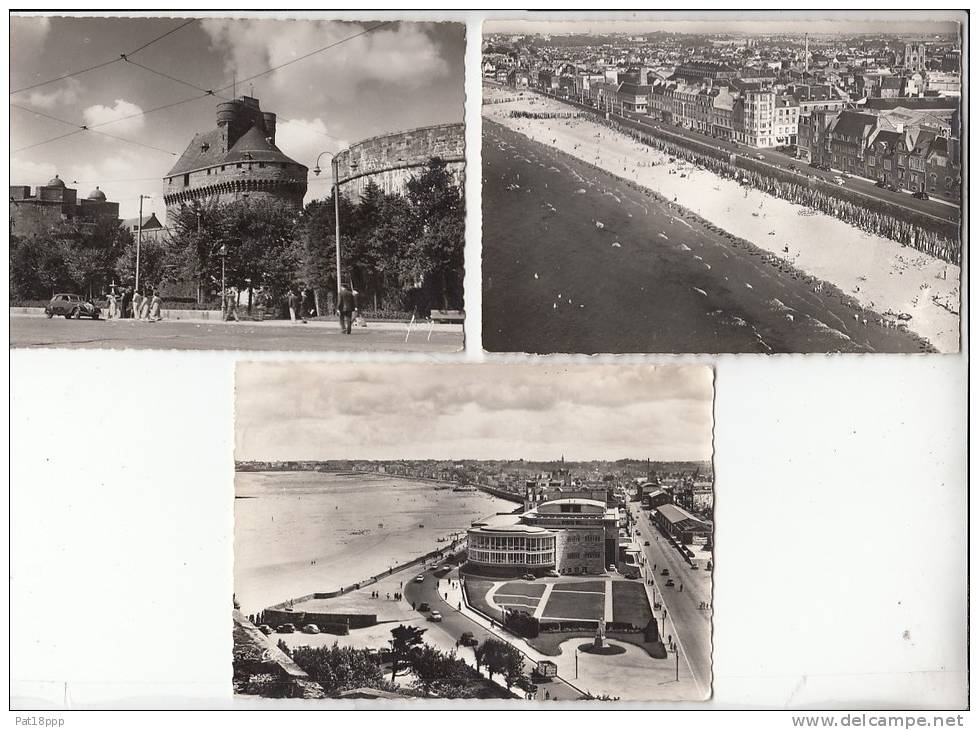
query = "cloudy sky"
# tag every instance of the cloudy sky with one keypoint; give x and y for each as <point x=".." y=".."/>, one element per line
<point x="512" y="411"/>
<point x="761" y="21"/>
<point x="400" y="76"/>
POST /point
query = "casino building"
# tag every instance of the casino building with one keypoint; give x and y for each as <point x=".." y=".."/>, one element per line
<point x="567" y="536"/>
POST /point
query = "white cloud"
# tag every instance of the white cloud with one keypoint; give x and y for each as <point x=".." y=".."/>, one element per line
<point x="402" y="55"/>
<point x="28" y="172"/>
<point x="51" y="97"/>
<point x="121" y="110"/>
<point x="304" y="139"/>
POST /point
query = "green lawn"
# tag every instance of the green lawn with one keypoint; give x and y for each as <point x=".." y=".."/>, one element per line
<point x="519" y="588"/>
<point x="562" y="604"/>
<point x="596" y="586"/>
<point x="476" y="590"/>
<point x="630" y="604"/>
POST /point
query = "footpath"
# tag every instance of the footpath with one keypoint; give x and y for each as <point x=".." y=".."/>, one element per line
<point x="199" y="316"/>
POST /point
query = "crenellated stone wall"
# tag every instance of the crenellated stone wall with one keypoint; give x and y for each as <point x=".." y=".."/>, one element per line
<point x="390" y="160"/>
<point x="235" y="181"/>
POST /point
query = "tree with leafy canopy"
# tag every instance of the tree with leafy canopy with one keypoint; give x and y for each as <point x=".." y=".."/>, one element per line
<point x="404" y="639"/>
<point x="72" y="256"/>
<point x="436" y="253"/>
<point x="195" y="242"/>
<point x="338" y="669"/>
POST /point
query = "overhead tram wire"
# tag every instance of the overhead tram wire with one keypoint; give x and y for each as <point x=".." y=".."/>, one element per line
<point x="104" y="63"/>
<point x="206" y="92"/>
<point x="306" y="55"/>
<point x="211" y="92"/>
<point x="81" y="128"/>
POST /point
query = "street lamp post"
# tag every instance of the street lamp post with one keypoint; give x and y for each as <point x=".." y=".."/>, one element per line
<point x="336" y="206"/>
<point x="139" y="238"/>
<point x="223" y="253"/>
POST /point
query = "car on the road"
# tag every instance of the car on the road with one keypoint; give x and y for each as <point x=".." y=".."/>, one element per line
<point x="467" y="639"/>
<point x="759" y="156"/>
<point x="71" y="306"/>
<point x="839" y="180"/>
<point x="265" y="629"/>
<point x="665" y="571"/>
<point x="529" y="576"/>
<point x="435" y="616"/>
<point x="311" y="629"/>
<point x="646" y="543"/>
<point x="880" y="184"/>
<point x="286" y="629"/>
<point x="424" y="607"/>
<point x="920" y="195"/>
<point x="892" y="188"/>
<point x="670" y="583"/>
<point x="419" y="579"/>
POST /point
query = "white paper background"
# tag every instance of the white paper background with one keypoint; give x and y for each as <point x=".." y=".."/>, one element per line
<point x="841" y="513"/>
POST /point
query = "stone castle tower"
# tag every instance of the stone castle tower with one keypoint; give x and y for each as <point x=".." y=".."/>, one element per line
<point x="237" y="160"/>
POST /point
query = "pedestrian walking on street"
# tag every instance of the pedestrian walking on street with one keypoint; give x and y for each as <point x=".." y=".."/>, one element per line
<point x="346" y="307"/>
<point x="231" y="296"/>
<point x="112" y="306"/>
<point x="291" y="303"/>
<point x="144" y="308"/>
<point x="137" y="303"/>
<point x="125" y="301"/>
<point x="156" y="305"/>
<point x="303" y="303"/>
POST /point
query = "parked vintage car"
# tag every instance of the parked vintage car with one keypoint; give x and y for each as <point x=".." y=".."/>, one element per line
<point x="311" y="629"/>
<point x="424" y="607"/>
<point x="71" y="306"/>
<point x="435" y="616"/>
<point x="265" y="629"/>
<point x="467" y="639"/>
<point x="286" y="629"/>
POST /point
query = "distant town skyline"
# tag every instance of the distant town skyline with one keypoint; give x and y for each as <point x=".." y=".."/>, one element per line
<point x="322" y="411"/>
<point x="752" y="22"/>
<point x="399" y="76"/>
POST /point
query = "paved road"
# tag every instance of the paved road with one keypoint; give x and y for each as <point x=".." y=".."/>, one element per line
<point x="692" y="624"/>
<point x="38" y="331"/>
<point x="941" y="210"/>
<point x="456" y="623"/>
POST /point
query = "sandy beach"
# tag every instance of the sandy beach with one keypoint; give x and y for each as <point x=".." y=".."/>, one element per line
<point x="880" y="274"/>
<point x="302" y="532"/>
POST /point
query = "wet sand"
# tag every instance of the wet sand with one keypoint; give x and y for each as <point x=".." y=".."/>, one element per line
<point x="879" y="274"/>
<point x="577" y="260"/>
<point x="303" y="532"/>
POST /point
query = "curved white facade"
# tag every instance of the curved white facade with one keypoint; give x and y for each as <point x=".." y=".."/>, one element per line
<point x="510" y="548"/>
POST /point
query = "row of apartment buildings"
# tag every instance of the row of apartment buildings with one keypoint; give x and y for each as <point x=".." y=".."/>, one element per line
<point x="917" y="152"/>
<point x="914" y="147"/>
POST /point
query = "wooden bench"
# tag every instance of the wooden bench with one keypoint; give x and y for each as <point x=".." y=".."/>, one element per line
<point x="448" y="316"/>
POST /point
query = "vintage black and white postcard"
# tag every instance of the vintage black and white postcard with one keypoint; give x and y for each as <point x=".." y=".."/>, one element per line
<point x="203" y="188"/>
<point x="752" y="183"/>
<point x="513" y="531"/>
